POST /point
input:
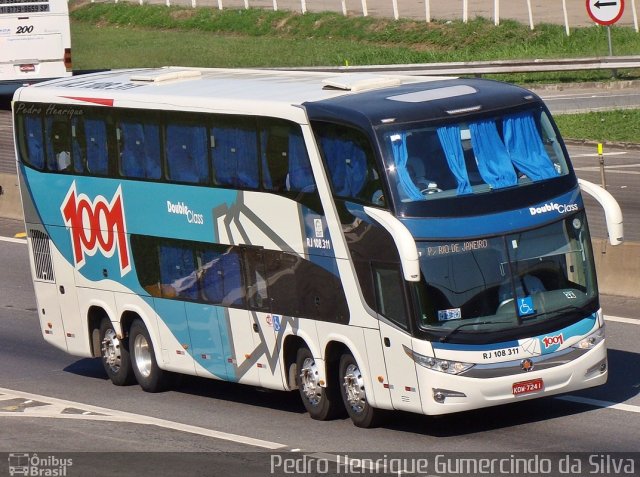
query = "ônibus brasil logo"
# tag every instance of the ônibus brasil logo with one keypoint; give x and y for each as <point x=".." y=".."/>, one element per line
<point x="96" y="225"/>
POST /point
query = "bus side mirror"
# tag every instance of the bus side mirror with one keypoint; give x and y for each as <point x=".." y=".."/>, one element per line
<point x="405" y="243"/>
<point x="612" y="211"/>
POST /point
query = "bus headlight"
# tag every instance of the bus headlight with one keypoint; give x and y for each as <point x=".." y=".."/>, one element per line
<point x="435" y="364"/>
<point x="590" y="341"/>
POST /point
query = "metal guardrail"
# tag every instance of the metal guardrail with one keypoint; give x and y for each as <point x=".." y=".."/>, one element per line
<point x="479" y="68"/>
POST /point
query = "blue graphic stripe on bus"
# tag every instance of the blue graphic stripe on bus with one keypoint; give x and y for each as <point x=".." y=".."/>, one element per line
<point x="503" y="222"/>
<point x="166" y="210"/>
<point x="552" y="342"/>
<point x="210" y="339"/>
<point x="549" y="342"/>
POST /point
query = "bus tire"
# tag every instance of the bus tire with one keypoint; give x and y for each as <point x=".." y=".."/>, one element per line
<point x="150" y="377"/>
<point x="115" y="355"/>
<point x="322" y="403"/>
<point x="354" y="395"/>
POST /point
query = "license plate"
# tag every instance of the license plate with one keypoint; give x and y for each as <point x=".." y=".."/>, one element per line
<point x="531" y="386"/>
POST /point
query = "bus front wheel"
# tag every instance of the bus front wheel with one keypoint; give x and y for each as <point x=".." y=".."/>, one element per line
<point x="143" y="359"/>
<point x="322" y="403"/>
<point x="115" y="355"/>
<point x="354" y="396"/>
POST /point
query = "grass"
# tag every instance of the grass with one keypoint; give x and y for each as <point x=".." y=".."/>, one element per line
<point x="107" y="35"/>
<point x="330" y="37"/>
<point x="604" y="126"/>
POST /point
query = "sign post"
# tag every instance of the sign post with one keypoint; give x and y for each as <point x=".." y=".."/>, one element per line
<point x="606" y="12"/>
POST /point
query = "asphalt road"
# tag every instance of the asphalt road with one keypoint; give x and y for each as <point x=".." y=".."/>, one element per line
<point x="55" y="404"/>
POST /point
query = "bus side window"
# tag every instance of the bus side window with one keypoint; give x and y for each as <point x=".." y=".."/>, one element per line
<point x="235" y="154"/>
<point x="178" y="273"/>
<point x="389" y="293"/>
<point x="275" y="161"/>
<point x="139" y="150"/>
<point x="187" y="158"/>
<point x="350" y="163"/>
<point x="221" y="277"/>
<point x="58" y="144"/>
<point x="97" y="148"/>
<point x="300" y="173"/>
<point x="33" y="151"/>
<point x="285" y="162"/>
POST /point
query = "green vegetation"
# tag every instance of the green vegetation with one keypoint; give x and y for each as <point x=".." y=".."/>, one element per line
<point x="603" y="126"/>
<point x="107" y="35"/>
<point x="210" y="37"/>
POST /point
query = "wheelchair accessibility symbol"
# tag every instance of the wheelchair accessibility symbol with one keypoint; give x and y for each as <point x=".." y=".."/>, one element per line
<point x="525" y="306"/>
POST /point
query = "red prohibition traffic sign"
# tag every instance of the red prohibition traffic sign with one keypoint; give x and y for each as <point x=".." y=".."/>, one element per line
<point x="605" y="12"/>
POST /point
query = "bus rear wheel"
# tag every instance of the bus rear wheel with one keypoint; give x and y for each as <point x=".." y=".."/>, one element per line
<point x="150" y="377"/>
<point x="354" y="395"/>
<point x="322" y="403"/>
<point x="115" y="355"/>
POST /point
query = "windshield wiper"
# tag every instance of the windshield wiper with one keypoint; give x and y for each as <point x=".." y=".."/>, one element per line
<point x="445" y="338"/>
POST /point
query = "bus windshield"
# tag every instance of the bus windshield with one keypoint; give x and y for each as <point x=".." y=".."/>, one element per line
<point x="494" y="284"/>
<point x="425" y="161"/>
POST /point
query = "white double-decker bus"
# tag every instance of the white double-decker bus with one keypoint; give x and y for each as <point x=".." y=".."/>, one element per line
<point x="375" y="242"/>
<point x="35" y="42"/>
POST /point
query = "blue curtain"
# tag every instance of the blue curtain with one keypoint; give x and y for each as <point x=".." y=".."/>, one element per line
<point x="187" y="153"/>
<point x="494" y="162"/>
<point x="300" y="173"/>
<point x="400" y="156"/>
<point x="235" y="156"/>
<point x="141" y="150"/>
<point x="525" y="147"/>
<point x="35" y="144"/>
<point x="347" y="164"/>
<point x="97" y="150"/>
<point x="450" y="141"/>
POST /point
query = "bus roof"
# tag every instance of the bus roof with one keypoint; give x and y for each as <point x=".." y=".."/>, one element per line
<point x="258" y="92"/>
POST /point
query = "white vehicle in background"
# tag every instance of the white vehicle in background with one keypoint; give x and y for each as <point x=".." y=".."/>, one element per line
<point x="35" y="42"/>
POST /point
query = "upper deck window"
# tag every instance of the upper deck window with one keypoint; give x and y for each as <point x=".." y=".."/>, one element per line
<point x="350" y="163"/>
<point x="477" y="155"/>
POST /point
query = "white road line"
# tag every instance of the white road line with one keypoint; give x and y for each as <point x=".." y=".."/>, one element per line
<point x="611" y="166"/>
<point x="13" y="240"/>
<point x="598" y="403"/>
<point x="630" y="321"/>
<point x="620" y="153"/>
<point x="607" y="169"/>
<point x="121" y="416"/>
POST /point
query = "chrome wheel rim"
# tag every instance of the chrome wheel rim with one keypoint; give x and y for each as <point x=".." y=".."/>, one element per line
<point x="142" y="354"/>
<point x="310" y="386"/>
<point x="354" y="388"/>
<point x="110" y="348"/>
